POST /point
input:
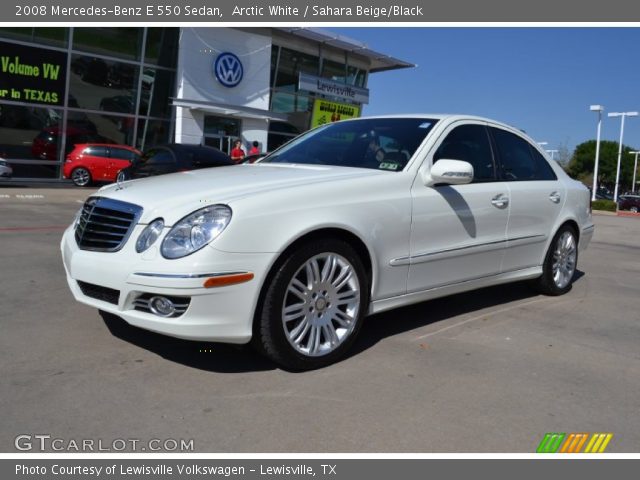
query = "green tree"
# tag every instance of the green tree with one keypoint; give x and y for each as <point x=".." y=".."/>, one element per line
<point x="583" y="159"/>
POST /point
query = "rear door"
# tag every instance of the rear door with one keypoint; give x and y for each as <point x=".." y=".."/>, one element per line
<point x="96" y="158"/>
<point x="536" y="199"/>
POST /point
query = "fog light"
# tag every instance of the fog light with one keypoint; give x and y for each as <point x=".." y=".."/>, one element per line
<point x="162" y="306"/>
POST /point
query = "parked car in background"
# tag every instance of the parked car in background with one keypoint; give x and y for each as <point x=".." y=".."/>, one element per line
<point x="604" y="194"/>
<point x="174" y="157"/>
<point x="629" y="202"/>
<point x="97" y="162"/>
<point x="5" y="169"/>
<point x="45" y="145"/>
<point x="349" y="219"/>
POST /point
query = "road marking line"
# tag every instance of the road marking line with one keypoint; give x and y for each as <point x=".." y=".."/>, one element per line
<point x="27" y="229"/>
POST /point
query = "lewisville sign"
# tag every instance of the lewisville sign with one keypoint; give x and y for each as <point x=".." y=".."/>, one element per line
<point x="25" y="77"/>
<point x="311" y="83"/>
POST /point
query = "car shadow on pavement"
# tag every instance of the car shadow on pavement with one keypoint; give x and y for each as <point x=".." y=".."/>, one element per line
<point x="393" y="322"/>
<point x="225" y="358"/>
<point x="208" y="356"/>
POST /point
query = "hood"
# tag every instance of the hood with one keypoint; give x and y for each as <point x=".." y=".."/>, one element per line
<point x="178" y="194"/>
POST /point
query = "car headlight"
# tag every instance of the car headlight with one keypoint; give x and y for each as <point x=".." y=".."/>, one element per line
<point x="195" y="231"/>
<point x="76" y="219"/>
<point x="149" y="235"/>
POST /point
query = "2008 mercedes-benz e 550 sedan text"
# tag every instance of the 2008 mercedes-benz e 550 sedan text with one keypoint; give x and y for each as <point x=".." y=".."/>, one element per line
<point x="349" y="219"/>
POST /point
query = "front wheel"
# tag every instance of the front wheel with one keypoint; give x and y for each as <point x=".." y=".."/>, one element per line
<point x="560" y="263"/>
<point x="314" y="305"/>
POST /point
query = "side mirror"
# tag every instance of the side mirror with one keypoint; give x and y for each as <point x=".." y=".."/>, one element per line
<point x="449" y="172"/>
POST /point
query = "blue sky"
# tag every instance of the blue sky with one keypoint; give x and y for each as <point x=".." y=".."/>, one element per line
<point x="541" y="80"/>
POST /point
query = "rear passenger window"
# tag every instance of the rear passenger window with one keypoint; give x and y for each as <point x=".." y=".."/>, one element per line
<point x="469" y="143"/>
<point x="544" y="170"/>
<point x="518" y="160"/>
<point x="160" y="157"/>
<point x="122" y="154"/>
<point x="96" y="151"/>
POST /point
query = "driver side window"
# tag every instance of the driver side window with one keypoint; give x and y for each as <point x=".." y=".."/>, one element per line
<point x="469" y="143"/>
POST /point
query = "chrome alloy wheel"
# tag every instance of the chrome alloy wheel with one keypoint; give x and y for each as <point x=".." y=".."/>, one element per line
<point x="564" y="259"/>
<point x="321" y="304"/>
<point x="81" y="177"/>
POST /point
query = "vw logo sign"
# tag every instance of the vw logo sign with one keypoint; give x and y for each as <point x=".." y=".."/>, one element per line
<point x="228" y="69"/>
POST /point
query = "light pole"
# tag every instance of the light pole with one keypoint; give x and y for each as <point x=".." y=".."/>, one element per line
<point x="599" y="109"/>
<point x="551" y="152"/>
<point x="635" y="167"/>
<point x="622" y="115"/>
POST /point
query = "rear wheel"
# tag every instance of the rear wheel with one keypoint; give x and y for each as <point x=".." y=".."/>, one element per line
<point x="314" y="305"/>
<point x="81" y="177"/>
<point x="560" y="263"/>
<point x="634" y="209"/>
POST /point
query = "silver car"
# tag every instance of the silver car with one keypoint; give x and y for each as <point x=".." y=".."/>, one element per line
<point x="5" y="170"/>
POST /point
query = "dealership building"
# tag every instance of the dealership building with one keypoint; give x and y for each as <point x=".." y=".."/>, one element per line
<point x="147" y="86"/>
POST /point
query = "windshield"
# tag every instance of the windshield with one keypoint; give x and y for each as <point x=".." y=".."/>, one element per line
<point x="377" y="143"/>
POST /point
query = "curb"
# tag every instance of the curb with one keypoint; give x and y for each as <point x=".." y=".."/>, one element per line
<point x="627" y="214"/>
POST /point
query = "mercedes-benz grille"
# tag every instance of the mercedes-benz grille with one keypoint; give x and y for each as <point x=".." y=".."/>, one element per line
<point x="105" y="224"/>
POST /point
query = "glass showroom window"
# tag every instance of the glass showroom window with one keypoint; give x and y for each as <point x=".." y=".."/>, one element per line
<point x="98" y="84"/>
<point x="53" y="36"/>
<point x="157" y="88"/>
<point x="162" y="46"/>
<point x="121" y="42"/>
<point x="152" y="132"/>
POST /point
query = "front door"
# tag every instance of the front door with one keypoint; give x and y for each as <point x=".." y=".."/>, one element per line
<point x="221" y="142"/>
<point x="459" y="231"/>
<point x="221" y="132"/>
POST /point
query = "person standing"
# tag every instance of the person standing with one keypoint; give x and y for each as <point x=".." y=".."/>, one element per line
<point x="255" y="148"/>
<point x="237" y="154"/>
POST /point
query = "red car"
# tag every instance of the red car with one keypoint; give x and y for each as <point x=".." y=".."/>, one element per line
<point x="98" y="162"/>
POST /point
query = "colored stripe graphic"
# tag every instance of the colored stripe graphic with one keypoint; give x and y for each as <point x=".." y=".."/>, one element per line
<point x="598" y="442"/>
<point x="550" y="443"/>
<point x="573" y="443"/>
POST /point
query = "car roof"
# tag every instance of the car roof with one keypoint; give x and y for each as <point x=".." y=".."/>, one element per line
<point x="438" y="116"/>
<point x="110" y="145"/>
<point x="186" y="147"/>
<point x="450" y="118"/>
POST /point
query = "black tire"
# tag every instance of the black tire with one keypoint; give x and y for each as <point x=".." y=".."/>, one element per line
<point x="334" y="335"/>
<point x="122" y="176"/>
<point x="552" y="281"/>
<point x="81" y="177"/>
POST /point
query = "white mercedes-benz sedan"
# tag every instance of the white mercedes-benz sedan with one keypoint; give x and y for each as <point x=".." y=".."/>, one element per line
<point x="350" y="219"/>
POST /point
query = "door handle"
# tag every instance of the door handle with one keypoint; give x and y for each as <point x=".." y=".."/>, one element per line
<point x="554" y="197"/>
<point x="500" y="201"/>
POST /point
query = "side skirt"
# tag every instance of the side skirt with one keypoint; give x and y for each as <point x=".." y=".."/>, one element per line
<point x="385" y="304"/>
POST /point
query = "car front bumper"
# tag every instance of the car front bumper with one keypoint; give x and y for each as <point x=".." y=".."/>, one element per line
<point x="220" y="314"/>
